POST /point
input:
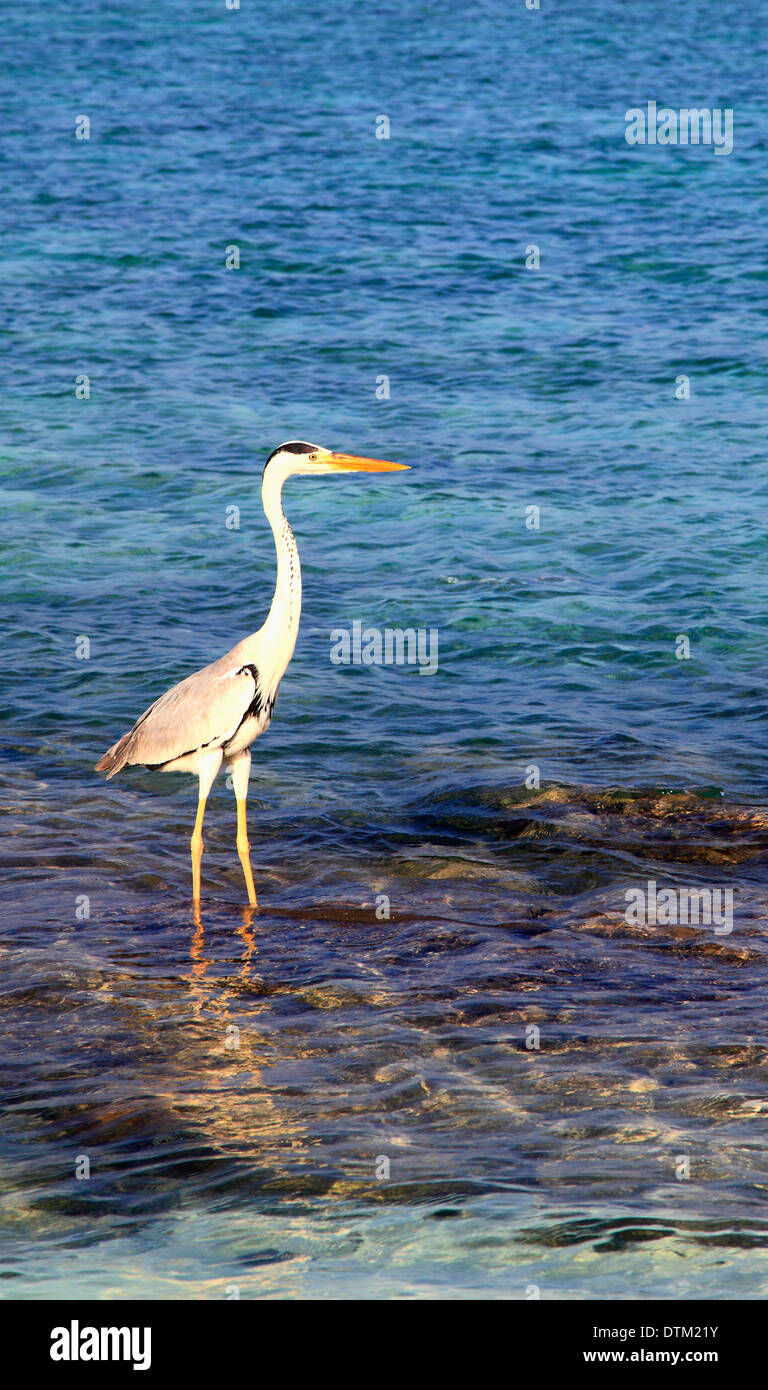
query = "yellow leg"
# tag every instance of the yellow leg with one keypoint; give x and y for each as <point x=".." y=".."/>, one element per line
<point x="208" y="766"/>
<point x="243" y="850"/>
<point x="196" y="845"/>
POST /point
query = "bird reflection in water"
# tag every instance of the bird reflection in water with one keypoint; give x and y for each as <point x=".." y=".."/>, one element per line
<point x="200" y="964"/>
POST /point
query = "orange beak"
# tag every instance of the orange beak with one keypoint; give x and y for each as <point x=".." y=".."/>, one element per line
<point x="351" y="463"/>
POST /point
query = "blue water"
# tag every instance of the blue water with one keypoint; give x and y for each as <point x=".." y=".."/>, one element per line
<point x="252" y="1159"/>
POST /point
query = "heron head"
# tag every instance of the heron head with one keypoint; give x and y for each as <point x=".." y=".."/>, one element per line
<point x="296" y="456"/>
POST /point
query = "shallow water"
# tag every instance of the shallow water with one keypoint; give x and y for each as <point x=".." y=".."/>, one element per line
<point x="241" y="1083"/>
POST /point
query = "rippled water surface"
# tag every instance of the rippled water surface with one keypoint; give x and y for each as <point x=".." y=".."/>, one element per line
<point x="498" y="1086"/>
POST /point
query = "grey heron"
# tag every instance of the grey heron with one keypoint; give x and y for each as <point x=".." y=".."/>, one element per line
<point x="214" y="715"/>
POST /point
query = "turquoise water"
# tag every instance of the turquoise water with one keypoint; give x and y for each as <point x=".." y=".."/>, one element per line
<point x="253" y="1159"/>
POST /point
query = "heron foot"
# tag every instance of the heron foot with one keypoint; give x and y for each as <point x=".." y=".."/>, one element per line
<point x="244" y="854"/>
<point x="196" y="846"/>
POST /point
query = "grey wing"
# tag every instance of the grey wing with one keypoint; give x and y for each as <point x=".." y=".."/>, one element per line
<point x="203" y="711"/>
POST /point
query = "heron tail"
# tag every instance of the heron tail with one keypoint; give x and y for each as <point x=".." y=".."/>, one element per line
<point x="115" y="757"/>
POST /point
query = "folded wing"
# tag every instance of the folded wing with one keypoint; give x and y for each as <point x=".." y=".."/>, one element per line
<point x="203" y="711"/>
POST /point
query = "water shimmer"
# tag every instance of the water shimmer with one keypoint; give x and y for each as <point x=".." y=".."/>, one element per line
<point x="496" y="1086"/>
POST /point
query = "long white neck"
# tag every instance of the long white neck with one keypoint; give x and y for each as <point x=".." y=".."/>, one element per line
<point x="279" y="633"/>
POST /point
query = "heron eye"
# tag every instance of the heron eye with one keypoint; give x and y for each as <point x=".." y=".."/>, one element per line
<point x="313" y="458"/>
